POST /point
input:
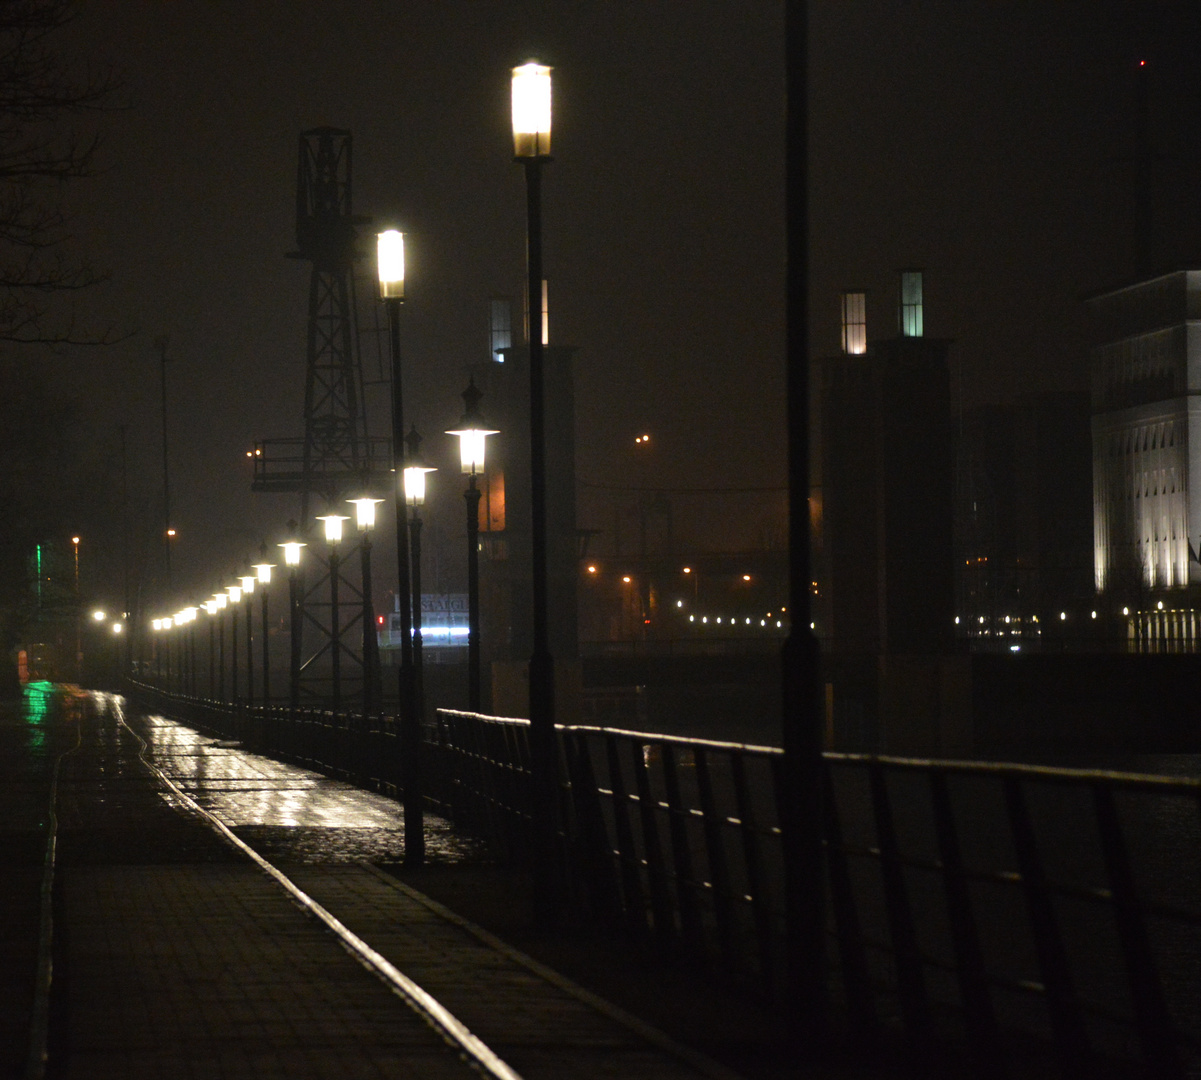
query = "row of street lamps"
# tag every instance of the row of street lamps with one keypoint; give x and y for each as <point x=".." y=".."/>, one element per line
<point x="531" y="107"/>
<point x="472" y="435"/>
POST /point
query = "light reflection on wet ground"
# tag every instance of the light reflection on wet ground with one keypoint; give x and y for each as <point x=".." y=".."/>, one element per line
<point x="287" y="813"/>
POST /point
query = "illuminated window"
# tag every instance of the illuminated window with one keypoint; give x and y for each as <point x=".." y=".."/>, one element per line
<point x="911" y="303"/>
<point x="854" y="323"/>
<point x="500" y="330"/>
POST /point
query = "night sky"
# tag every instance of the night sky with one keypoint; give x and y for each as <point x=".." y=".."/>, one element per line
<point x="990" y="144"/>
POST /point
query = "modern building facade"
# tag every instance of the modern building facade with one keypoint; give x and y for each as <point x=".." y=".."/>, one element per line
<point x="1146" y="430"/>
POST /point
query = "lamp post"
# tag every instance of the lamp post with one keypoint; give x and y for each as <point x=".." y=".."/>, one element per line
<point x="292" y="562"/>
<point x="391" y="291"/>
<point x="333" y="536"/>
<point x="78" y="632"/>
<point x="531" y="99"/>
<point x="414" y="487"/>
<point x="248" y="581"/>
<point x="364" y="510"/>
<point x="235" y="598"/>
<point x="221" y="600"/>
<point x="472" y="435"/>
<point x="189" y="618"/>
<point x="210" y="609"/>
<point x="262" y="572"/>
<point x="168" y="623"/>
<point x="157" y="626"/>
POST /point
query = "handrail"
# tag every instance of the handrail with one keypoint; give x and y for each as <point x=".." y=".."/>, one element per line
<point x="677" y="839"/>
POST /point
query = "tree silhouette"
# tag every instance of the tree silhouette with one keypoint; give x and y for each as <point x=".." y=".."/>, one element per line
<point x="43" y="97"/>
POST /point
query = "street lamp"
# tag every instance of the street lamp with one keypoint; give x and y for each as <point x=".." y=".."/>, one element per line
<point x="414" y="488"/>
<point x="262" y="572"/>
<point x="472" y="436"/>
<point x="157" y="626"/>
<point x="291" y="550"/>
<point x="531" y="98"/>
<point x="247" y="581"/>
<point x="220" y="600"/>
<point x="235" y="598"/>
<point x="189" y="619"/>
<point x="210" y="609"/>
<point x="333" y="537"/>
<point x="391" y="291"/>
<point x="364" y="508"/>
<point x="167" y="623"/>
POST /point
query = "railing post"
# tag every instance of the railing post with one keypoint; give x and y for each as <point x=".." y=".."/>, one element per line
<point x="860" y="1000"/>
<point x="1155" y="1029"/>
<point x="911" y="980"/>
<point x="983" y="1034"/>
<point x="1063" y="1007"/>
<point x="681" y="855"/>
<point x="719" y="870"/>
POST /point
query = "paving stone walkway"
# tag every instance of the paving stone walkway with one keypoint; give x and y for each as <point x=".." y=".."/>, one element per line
<point x="175" y="956"/>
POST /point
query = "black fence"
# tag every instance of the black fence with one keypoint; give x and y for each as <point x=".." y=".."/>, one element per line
<point x="1034" y="921"/>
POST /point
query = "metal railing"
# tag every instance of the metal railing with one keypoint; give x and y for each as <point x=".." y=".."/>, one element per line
<point x="1023" y="914"/>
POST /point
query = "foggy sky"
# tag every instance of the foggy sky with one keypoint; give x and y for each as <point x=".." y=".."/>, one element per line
<point x="989" y="144"/>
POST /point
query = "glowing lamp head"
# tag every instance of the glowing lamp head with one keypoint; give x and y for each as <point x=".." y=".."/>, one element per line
<point x="262" y="571"/>
<point x="220" y="599"/>
<point x="247" y="581"/>
<point x="156" y="624"/>
<point x="117" y="628"/>
<point x="531" y="111"/>
<point x="472" y="433"/>
<point x="168" y="622"/>
<point x="292" y="552"/>
<point x="333" y="526"/>
<point x="99" y="616"/>
<point x="414" y="481"/>
<point x="364" y="512"/>
<point x="235" y="593"/>
<point x="390" y="260"/>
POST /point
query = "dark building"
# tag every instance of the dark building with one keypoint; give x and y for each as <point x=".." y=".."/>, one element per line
<point x="506" y="574"/>
<point x="887" y="597"/>
<point x="1023" y="522"/>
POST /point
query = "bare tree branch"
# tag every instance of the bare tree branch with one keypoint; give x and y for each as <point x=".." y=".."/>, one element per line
<point x="41" y="95"/>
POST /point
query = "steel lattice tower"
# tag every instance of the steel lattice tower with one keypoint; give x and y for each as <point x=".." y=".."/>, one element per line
<point x="336" y="457"/>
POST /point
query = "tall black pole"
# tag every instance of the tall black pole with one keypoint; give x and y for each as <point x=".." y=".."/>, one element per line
<point x="249" y="650"/>
<point x="410" y="722"/>
<point x="335" y="629"/>
<point x="161" y="344"/>
<point x="294" y="637"/>
<point x="130" y="622"/>
<point x="220" y="656"/>
<point x="266" y="655"/>
<point x="233" y="653"/>
<point x="472" y="498"/>
<point x="371" y="688"/>
<point x="801" y="804"/>
<point x="418" y="640"/>
<point x="543" y="758"/>
<point x="212" y="657"/>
